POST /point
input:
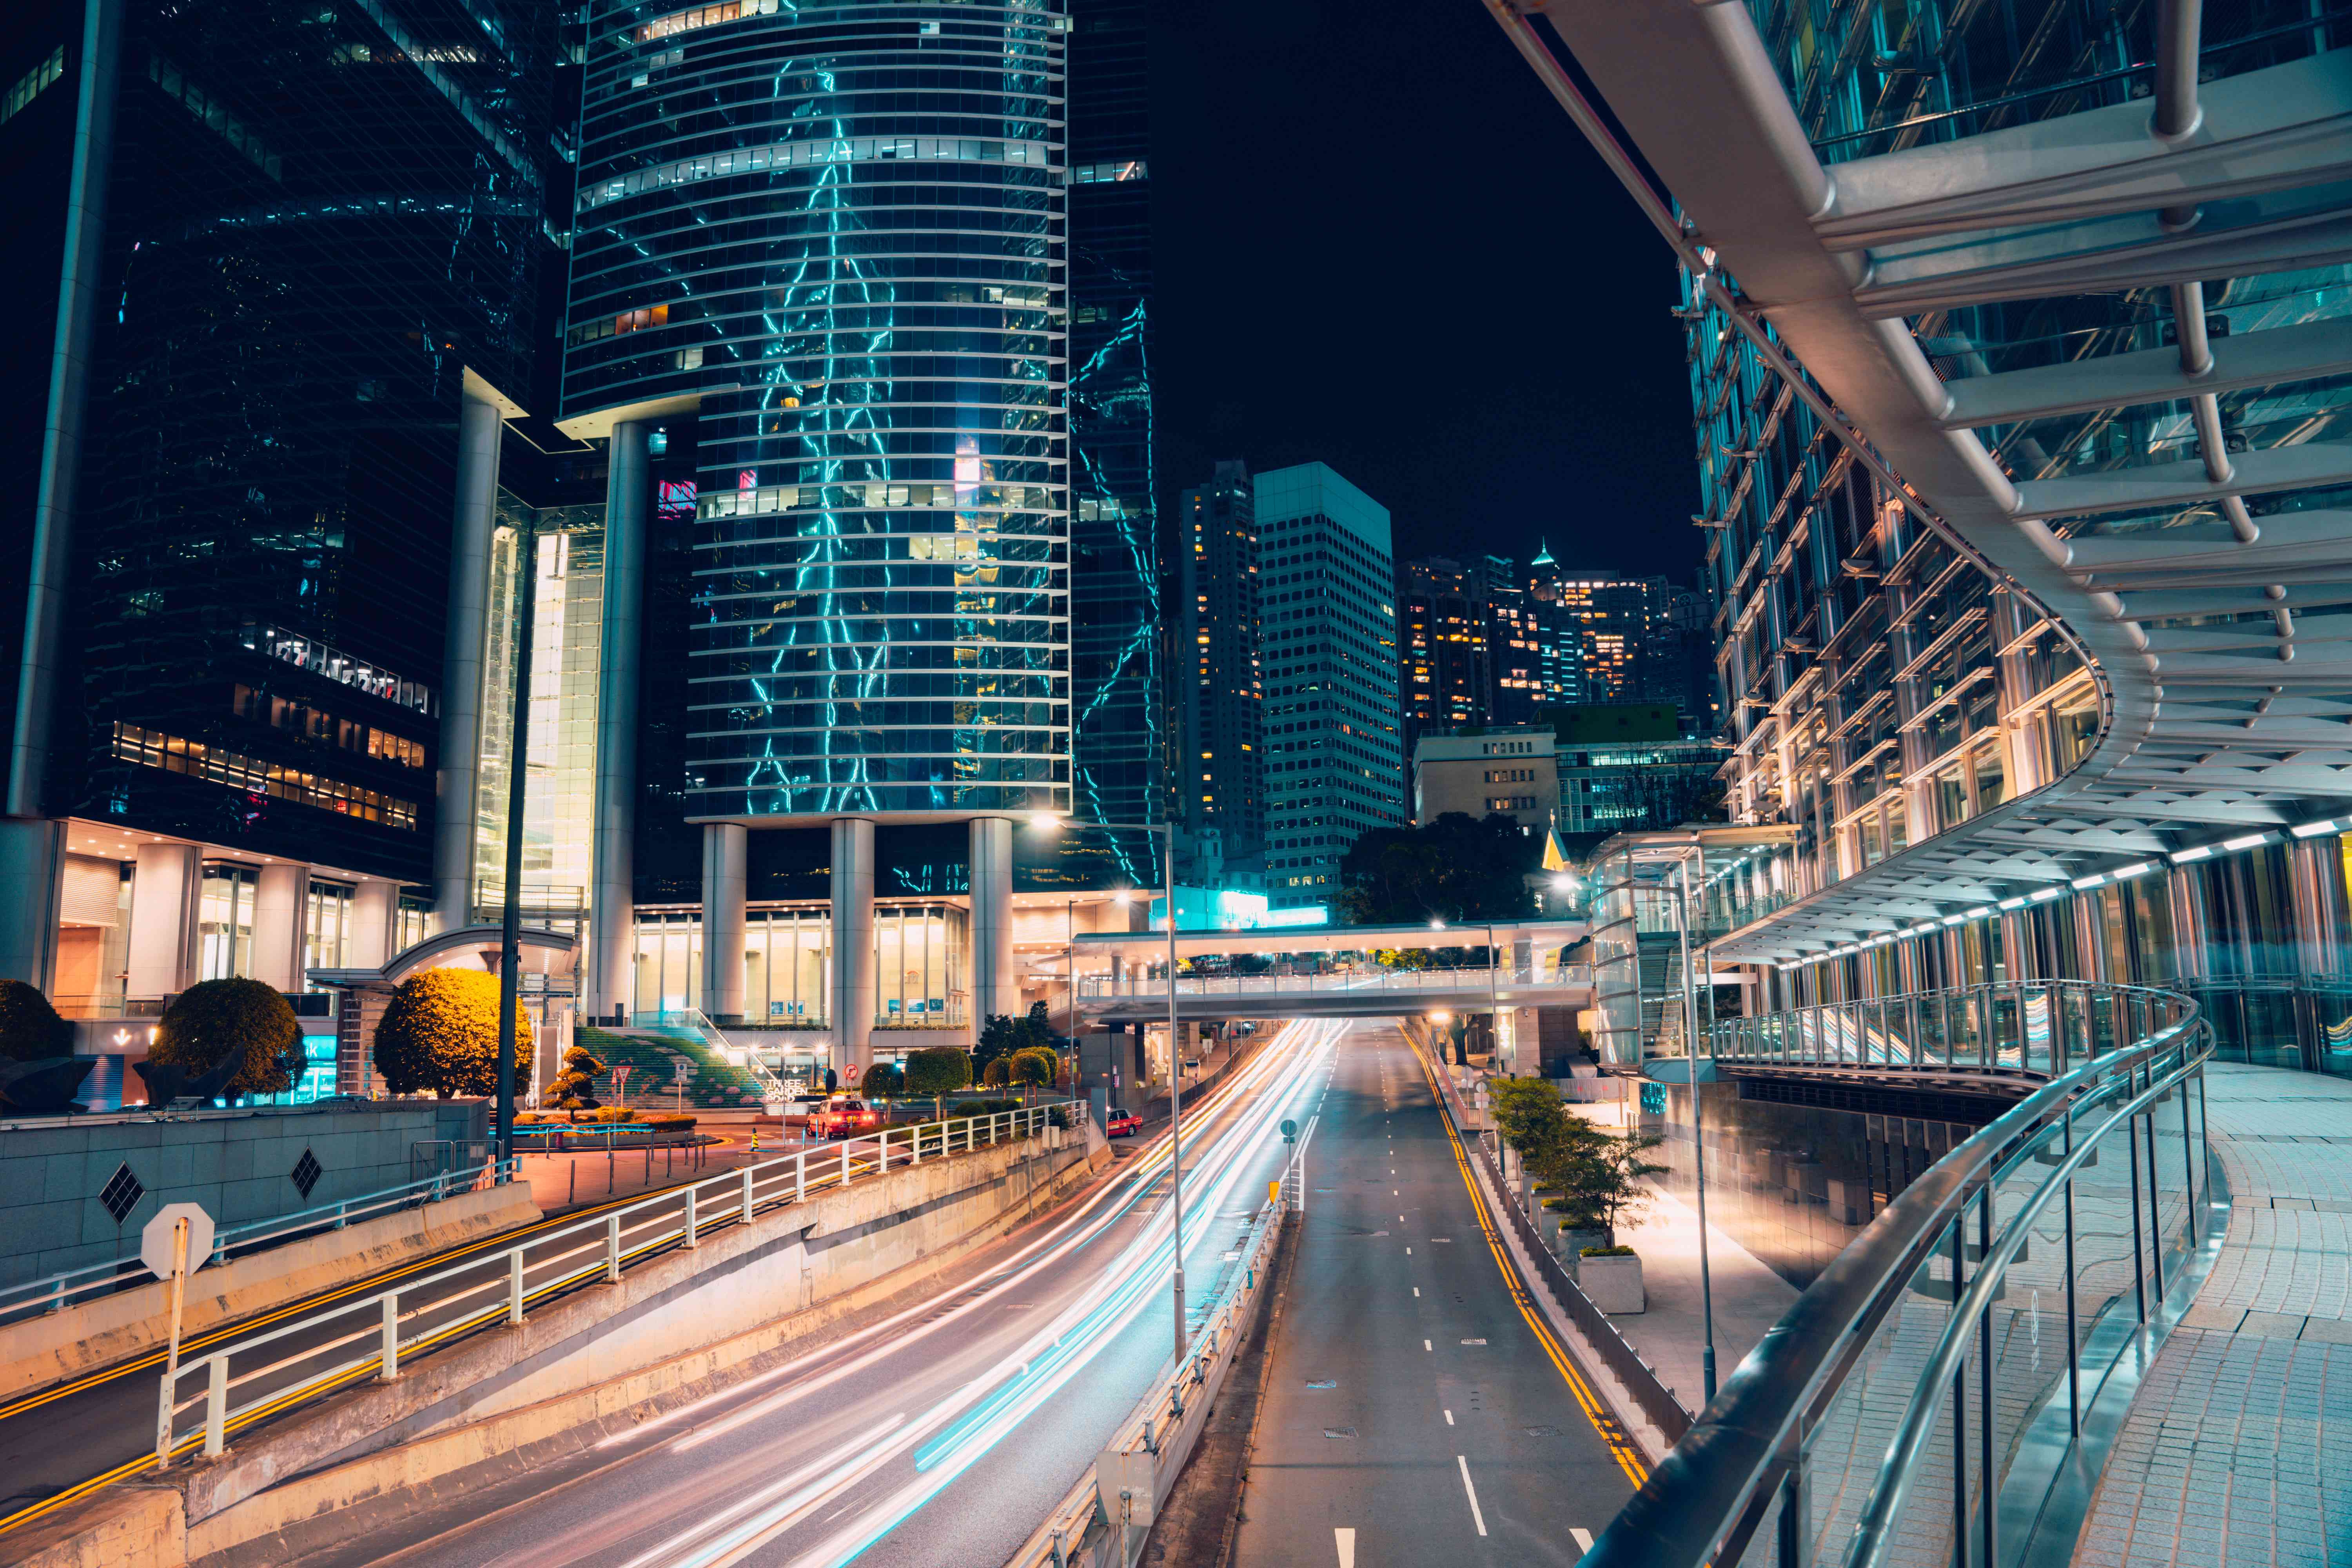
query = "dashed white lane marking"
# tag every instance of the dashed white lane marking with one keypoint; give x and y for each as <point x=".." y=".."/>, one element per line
<point x="1449" y="1418"/>
<point x="1425" y="1344"/>
<point x="1347" y="1544"/>
<point x="1584" y="1539"/>
<point x="1476" y="1518"/>
<point x="1416" y="1289"/>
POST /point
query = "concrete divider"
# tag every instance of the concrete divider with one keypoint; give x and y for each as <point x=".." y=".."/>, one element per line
<point x="55" y="1346"/>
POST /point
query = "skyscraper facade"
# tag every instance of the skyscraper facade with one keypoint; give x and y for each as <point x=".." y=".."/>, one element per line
<point x="1327" y="650"/>
<point x="265" y="260"/>
<point x="1119" y="751"/>
<point x="1443" y="623"/>
<point x="1221" y="703"/>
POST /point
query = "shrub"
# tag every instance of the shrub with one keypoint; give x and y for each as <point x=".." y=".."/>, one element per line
<point x="937" y="1071"/>
<point x="440" y="1035"/>
<point x="574" y="1087"/>
<point x="215" y="1018"/>
<point x="613" y="1114"/>
<point x="1057" y="1117"/>
<point x="31" y="1030"/>
<point x="1604" y="1252"/>
<point x="669" y="1122"/>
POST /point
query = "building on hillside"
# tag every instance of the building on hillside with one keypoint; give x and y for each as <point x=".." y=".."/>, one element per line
<point x="1220" y="699"/>
<point x="1508" y="771"/>
<point x="1327" y="656"/>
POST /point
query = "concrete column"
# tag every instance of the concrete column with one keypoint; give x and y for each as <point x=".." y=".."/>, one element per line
<point x="2318" y="912"/>
<point x="32" y="891"/>
<point x="164" y="891"/>
<point x="995" y="986"/>
<point x="54" y="500"/>
<point x="376" y="917"/>
<point x="480" y="424"/>
<point x="280" y="897"/>
<point x="612" y="908"/>
<point x="853" y="945"/>
<point x="725" y="854"/>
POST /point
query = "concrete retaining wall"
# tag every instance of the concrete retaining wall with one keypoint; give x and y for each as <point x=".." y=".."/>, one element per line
<point x="239" y="1163"/>
<point x="38" y="1351"/>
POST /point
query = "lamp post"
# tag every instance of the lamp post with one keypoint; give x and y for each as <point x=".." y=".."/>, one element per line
<point x="526" y="579"/>
<point x="1698" y="1123"/>
<point x="1048" y="822"/>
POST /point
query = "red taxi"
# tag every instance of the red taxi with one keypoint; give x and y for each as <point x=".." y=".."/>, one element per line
<point x="844" y="1116"/>
<point x="1123" y="1124"/>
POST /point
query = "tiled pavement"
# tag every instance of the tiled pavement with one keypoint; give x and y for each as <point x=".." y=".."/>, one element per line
<point x="2239" y="1447"/>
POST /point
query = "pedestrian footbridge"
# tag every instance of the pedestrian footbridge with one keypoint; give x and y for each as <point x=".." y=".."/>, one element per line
<point x="1327" y="972"/>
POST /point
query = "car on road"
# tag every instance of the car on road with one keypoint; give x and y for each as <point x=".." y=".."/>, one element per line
<point x="844" y="1116"/>
<point x="1123" y="1124"/>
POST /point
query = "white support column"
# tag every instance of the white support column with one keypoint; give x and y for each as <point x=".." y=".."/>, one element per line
<point x="281" y="897"/>
<point x="853" y="945"/>
<point x="995" y="986"/>
<point x="375" y="920"/>
<point x="164" y="895"/>
<point x="726" y="854"/>
<point x="481" y="424"/>
<point x="31" y="892"/>
<point x="611" y="911"/>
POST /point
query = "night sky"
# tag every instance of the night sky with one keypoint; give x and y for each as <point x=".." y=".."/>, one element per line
<point x="1383" y="245"/>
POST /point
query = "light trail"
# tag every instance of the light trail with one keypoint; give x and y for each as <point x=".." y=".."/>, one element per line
<point x="968" y="1421"/>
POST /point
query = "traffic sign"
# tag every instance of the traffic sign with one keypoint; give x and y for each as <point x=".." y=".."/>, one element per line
<point x="1290" y="1130"/>
<point x="155" y="1248"/>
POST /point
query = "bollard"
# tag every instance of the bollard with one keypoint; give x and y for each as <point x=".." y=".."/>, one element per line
<point x="691" y="1239"/>
<point x="573" y="1195"/>
<point x="514" y="1287"/>
<point x="799" y="1178"/>
<point x="746" y="1194"/>
<point x="845" y="1161"/>
<point x="612" y="1250"/>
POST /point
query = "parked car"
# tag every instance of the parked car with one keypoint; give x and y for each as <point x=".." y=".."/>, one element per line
<point x="1123" y="1124"/>
<point x="845" y="1116"/>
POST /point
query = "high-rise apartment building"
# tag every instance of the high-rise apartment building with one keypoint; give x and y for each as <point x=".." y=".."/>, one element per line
<point x="1328" y="654"/>
<point x="1445" y="627"/>
<point x="1220" y="701"/>
<point x="265" y="260"/>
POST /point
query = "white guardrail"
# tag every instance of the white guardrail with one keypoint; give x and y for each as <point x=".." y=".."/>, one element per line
<point x="58" y="1291"/>
<point x="354" y="1341"/>
<point x="1106" y="1519"/>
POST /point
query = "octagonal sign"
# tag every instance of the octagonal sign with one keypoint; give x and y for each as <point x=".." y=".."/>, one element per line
<point x="155" y="1239"/>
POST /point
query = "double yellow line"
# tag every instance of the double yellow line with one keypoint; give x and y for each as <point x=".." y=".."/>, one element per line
<point x="1612" y="1435"/>
<point x="369" y="1286"/>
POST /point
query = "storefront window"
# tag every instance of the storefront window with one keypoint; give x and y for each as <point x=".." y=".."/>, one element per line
<point x="787" y="954"/>
<point x="224" y="922"/>
<point x="326" y="930"/>
<point x="919" y="965"/>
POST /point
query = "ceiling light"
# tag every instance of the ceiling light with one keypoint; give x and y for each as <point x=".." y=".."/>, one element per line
<point x="2314" y="830"/>
<point x="2245" y="841"/>
<point x="2183" y="857"/>
<point x="2042" y="895"/>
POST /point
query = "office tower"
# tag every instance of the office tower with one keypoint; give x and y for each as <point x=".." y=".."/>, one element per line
<point x="1514" y="646"/>
<point x="1221" y="703"/>
<point x="825" y="324"/>
<point x="1327" y="654"/>
<point x="272" y="255"/>
<point x="1117" y="625"/>
<point x="1443" y="622"/>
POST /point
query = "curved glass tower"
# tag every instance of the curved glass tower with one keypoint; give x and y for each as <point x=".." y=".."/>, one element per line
<point x="835" y="234"/>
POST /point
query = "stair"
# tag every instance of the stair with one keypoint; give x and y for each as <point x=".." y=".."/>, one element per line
<point x="651" y="1056"/>
<point x="693" y="1024"/>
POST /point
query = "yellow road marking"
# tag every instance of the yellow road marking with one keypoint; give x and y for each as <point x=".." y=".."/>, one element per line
<point x="1613" y="1436"/>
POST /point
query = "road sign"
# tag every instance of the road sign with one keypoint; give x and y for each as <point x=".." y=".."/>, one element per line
<point x="1290" y="1130"/>
<point x="682" y="1072"/>
<point x="155" y="1241"/>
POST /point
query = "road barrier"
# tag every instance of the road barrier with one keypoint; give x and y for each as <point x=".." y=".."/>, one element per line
<point x="267" y="1374"/>
<point x="1107" y="1517"/>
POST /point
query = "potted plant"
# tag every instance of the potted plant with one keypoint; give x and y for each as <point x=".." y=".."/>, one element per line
<point x="1601" y="1177"/>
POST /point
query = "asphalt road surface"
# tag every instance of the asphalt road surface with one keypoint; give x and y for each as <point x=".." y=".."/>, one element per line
<point x="940" y="1434"/>
<point x="1415" y="1408"/>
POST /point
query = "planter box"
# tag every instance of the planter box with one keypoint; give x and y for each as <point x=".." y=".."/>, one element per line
<point x="1612" y="1284"/>
<point x="1571" y="1243"/>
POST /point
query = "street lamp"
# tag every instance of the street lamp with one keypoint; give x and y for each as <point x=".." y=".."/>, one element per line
<point x="1046" y="822"/>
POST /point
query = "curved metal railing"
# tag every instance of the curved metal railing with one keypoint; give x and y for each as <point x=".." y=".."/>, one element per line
<point x="1920" y="1403"/>
<point x="2035" y="1026"/>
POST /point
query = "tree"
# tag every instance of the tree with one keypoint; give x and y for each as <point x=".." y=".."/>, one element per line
<point x="1002" y="1036"/>
<point x="937" y="1071"/>
<point x="31" y="1030"/>
<point x="885" y="1080"/>
<point x="1033" y="1066"/>
<point x="998" y="1072"/>
<point x="214" y="1018"/>
<point x="574" y="1087"/>
<point x="1458" y="868"/>
<point x="1601" y="1179"/>
<point x="440" y="1033"/>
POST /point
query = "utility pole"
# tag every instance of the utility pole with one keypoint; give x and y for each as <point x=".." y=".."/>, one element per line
<point x="526" y="578"/>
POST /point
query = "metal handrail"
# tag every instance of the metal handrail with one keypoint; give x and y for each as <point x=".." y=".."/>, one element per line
<point x="1706" y="1501"/>
<point x="56" y="1291"/>
<point x="1106" y="987"/>
<point x="601" y="1247"/>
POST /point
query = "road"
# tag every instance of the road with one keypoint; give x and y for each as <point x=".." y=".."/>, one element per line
<point x="61" y="1444"/>
<point x="1417" y="1409"/>
<point x="940" y="1434"/>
